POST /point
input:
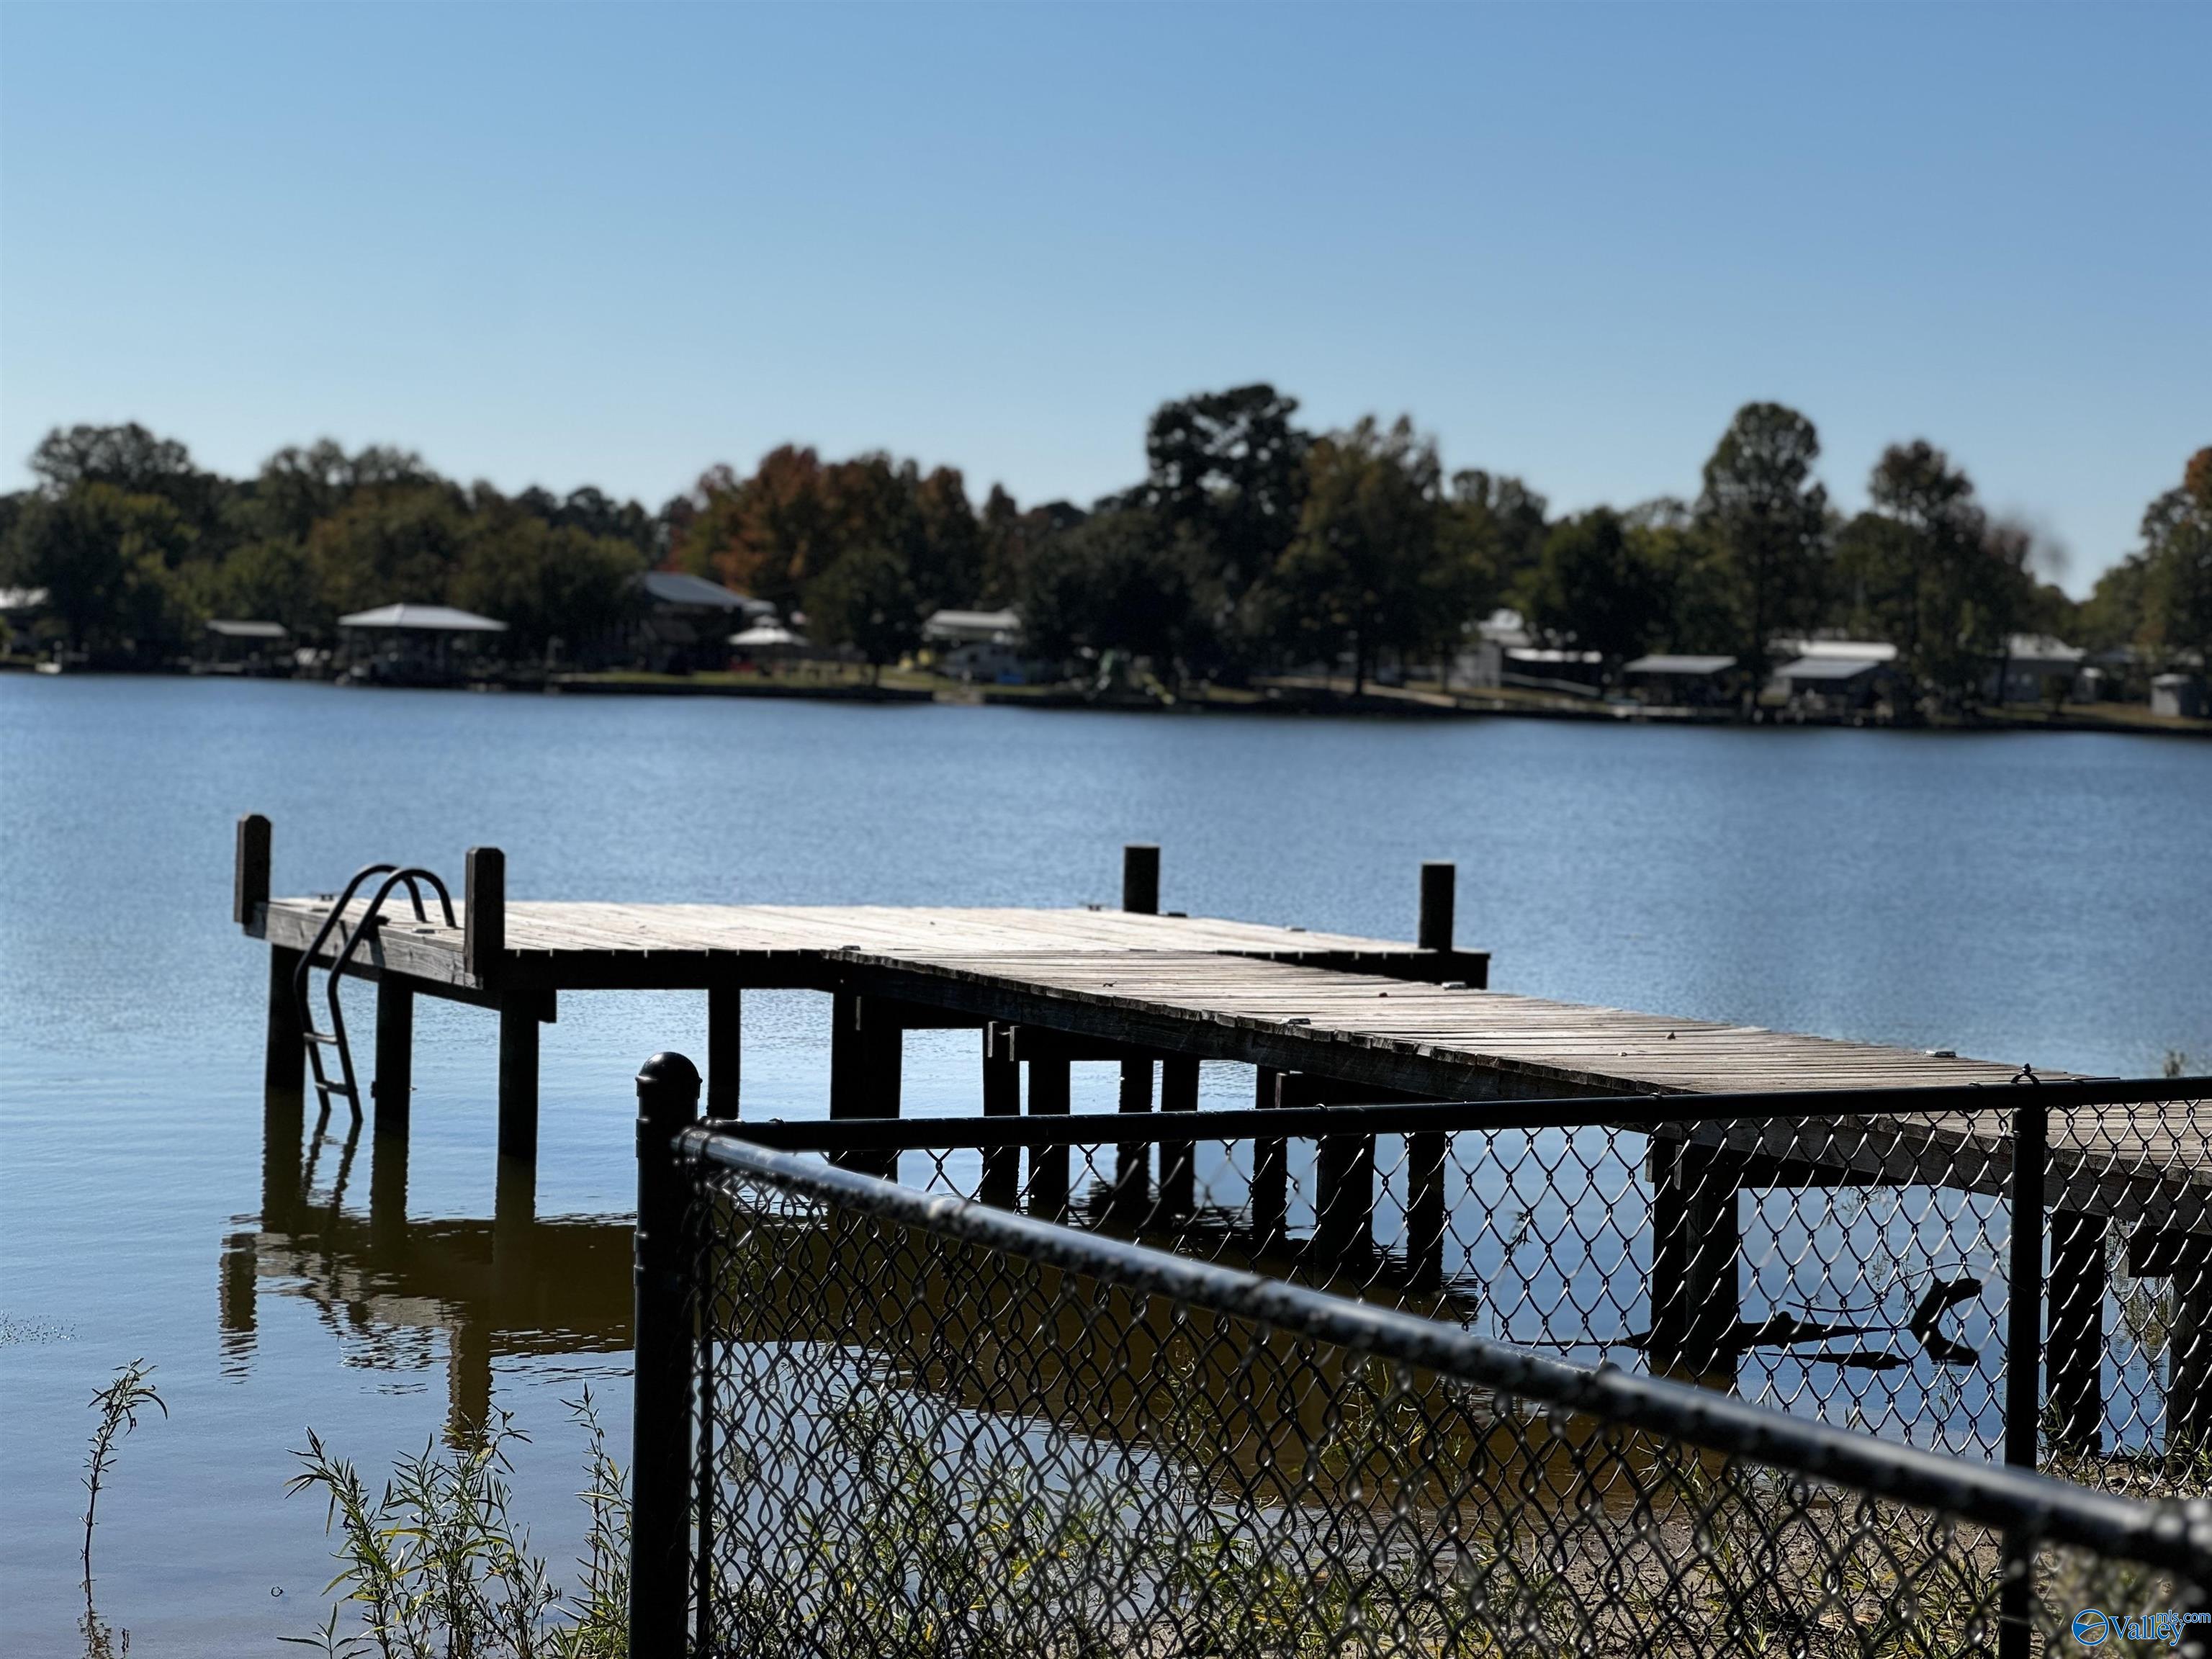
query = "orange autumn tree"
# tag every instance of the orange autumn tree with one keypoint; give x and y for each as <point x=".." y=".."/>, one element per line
<point x="779" y="532"/>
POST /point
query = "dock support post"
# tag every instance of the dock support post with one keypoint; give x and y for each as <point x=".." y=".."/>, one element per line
<point x="1002" y="1098"/>
<point x="1132" y="1198"/>
<point x="660" y="1422"/>
<point x="1426" y="1155"/>
<point x="2189" y="1366"/>
<point x="724" y="1042"/>
<point x="1696" y="1242"/>
<point x="1271" y="1168"/>
<point x="1140" y="878"/>
<point x="864" y="1064"/>
<point x="1178" y="1158"/>
<point x="1344" y="1202"/>
<point x="393" y="1085"/>
<point x="1438" y="881"/>
<point x="284" y="1058"/>
<point x="513" y="1227"/>
<point x="2074" y="1351"/>
<point x="518" y="1076"/>
<point x="1049" y="1177"/>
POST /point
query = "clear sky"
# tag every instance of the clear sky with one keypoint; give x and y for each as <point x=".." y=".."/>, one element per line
<point x="570" y="245"/>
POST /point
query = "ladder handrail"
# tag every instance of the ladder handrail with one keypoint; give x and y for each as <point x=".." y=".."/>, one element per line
<point x="410" y="876"/>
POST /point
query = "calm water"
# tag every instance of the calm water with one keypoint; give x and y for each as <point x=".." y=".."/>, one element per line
<point x="2026" y="898"/>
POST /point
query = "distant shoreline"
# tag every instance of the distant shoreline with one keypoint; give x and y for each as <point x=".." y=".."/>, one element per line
<point x="1280" y="698"/>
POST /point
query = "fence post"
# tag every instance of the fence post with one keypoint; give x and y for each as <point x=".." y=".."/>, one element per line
<point x="660" y="1430"/>
<point x="2023" y="1395"/>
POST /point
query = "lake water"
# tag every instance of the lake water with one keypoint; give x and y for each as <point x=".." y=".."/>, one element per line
<point x="2035" y="898"/>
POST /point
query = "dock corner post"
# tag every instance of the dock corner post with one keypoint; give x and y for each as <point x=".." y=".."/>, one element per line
<point x="1140" y="878"/>
<point x="2023" y="1383"/>
<point x="249" y="890"/>
<point x="1439" y="886"/>
<point x="483" y="928"/>
<point x="1271" y="1169"/>
<point x="1427" y="1210"/>
<point x="660" y="1426"/>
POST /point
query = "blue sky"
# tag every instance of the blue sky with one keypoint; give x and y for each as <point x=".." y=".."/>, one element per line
<point x="583" y="245"/>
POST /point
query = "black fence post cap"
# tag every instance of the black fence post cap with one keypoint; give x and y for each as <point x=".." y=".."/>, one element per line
<point x="668" y="1070"/>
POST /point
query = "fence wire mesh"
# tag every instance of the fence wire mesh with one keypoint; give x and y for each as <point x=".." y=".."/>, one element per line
<point x="915" y="1439"/>
<point x="1855" y="1268"/>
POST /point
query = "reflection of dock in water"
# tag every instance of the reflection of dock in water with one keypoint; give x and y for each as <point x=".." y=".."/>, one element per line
<point x="388" y="1286"/>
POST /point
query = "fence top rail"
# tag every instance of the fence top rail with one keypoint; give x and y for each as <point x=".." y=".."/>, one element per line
<point x="2171" y="1535"/>
<point x="1300" y="1122"/>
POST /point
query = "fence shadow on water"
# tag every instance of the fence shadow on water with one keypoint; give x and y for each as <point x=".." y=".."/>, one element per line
<point x="1173" y="1397"/>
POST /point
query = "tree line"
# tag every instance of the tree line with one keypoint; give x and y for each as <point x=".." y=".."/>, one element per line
<point x="1251" y="544"/>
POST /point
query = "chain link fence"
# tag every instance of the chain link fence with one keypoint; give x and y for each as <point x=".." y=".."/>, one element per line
<point x="1416" y="1379"/>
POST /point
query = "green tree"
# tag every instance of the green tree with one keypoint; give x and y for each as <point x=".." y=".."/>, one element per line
<point x="2177" y="562"/>
<point x="1370" y="571"/>
<point x="1227" y="471"/>
<point x="1926" y="570"/>
<point x="561" y="592"/>
<point x="1115" y="582"/>
<point x="1768" y="519"/>
<point x="1597" y="589"/>
<point x="1498" y="522"/>
<point x="107" y="560"/>
<point x="389" y="543"/>
<point x="866" y="599"/>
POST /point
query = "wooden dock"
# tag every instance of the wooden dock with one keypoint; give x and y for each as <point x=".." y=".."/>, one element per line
<point x="1324" y="1018"/>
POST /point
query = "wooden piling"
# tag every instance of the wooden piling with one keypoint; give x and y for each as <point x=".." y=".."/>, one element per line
<point x="1130" y="1201"/>
<point x="1270" y="1168"/>
<point x="725" y="1035"/>
<point x="250" y="873"/>
<point x="1002" y="1098"/>
<point x="393" y="1086"/>
<point x="1439" y="879"/>
<point x="2189" y="1364"/>
<point x="1344" y="1202"/>
<point x="1140" y="878"/>
<point x="1178" y="1158"/>
<point x="284" y="1057"/>
<point x="2074" y="1349"/>
<point x="517" y="1074"/>
<point x="1048" y="1165"/>
<point x="1426" y="1210"/>
<point x="1697" y="1241"/>
<point x="483" y="928"/>
<point x="865" y="1056"/>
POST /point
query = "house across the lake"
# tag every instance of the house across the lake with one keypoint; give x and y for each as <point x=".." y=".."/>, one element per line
<point x="977" y="645"/>
<point x="2037" y="668"/>
<point x="685" y="621"/>
<point x="1828" y="677"/>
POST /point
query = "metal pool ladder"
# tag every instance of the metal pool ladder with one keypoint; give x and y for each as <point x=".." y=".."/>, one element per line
<point x="350" y="941"/>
